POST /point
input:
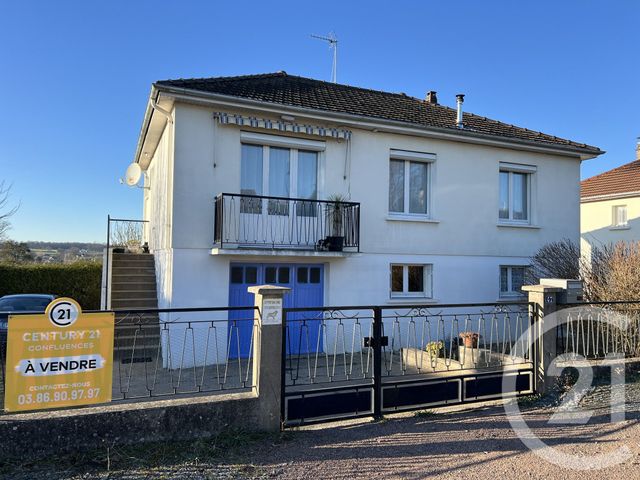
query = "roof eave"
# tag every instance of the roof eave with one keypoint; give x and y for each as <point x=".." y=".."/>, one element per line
<point x="469" y="135"/>
<point x="609" y="196"/>
<point x="146" y="121"/>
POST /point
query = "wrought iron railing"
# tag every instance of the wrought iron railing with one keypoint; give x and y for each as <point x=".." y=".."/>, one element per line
<point x="333" y="345"/>
<point x="438" y="339"/>
<point x="178" y="352"/>
<point x="124" y="234"/>
<point x="277" y="222"/>
<point x="595" y="330"/>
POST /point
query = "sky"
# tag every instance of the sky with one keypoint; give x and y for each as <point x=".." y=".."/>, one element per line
<point x="75" y="78"/>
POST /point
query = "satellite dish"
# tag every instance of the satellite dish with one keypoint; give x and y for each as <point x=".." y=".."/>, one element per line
<point x="132" y="177"/>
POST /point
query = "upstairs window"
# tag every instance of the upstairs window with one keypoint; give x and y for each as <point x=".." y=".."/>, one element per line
<point x="619" y="216"/>
<point x="409" y="182"/>
<point x="515" y="193"/>
<point x="512" y="278"/>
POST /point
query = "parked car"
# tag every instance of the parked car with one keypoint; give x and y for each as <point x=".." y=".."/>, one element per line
<point x="19" y="303"/>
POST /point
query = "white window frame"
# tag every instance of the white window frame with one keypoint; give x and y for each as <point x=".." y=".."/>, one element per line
<point x="529" y="171"/>
<point x="614" y="213"/>
<point x="412" y="157"/>
<point x="427" y="281"/>
<point x="510" y="293"/>
<point x="294" y="145"/>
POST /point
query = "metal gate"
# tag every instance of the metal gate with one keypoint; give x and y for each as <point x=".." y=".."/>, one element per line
<point x="372" y="360"/>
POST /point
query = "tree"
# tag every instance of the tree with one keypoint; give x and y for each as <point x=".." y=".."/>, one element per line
<point x="5" y="210"/>
<point x="556" y="260"/>
<point x="15" y="252"/>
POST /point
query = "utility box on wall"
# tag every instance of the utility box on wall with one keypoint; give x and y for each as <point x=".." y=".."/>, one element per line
<point x="573" y="289"/>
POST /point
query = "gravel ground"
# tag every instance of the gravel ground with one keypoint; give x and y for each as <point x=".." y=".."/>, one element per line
<point x="444" y="443"/>
<point x="470" y="444"/>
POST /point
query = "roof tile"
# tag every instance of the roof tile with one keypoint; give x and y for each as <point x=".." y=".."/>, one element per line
<point x="304" y="92"/>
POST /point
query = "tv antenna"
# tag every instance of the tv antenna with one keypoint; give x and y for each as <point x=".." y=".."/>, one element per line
<point x="333" y="44"/>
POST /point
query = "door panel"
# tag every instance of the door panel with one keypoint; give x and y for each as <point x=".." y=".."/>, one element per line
<point x="306" y="284"/>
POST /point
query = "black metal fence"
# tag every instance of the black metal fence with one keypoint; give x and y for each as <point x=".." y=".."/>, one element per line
<point x="277" y="222"/>
<point x="367" y="360"/>
<point x="177" y="352"/>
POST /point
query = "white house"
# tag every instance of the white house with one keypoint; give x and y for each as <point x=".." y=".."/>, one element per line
<point x="435" y="205"/>
<point x="610" y="206"/>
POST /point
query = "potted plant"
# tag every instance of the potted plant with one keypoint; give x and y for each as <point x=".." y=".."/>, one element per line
<point x="470" y="339"/>
<point x="334" y="242"/>
<point x="434" y="349"/>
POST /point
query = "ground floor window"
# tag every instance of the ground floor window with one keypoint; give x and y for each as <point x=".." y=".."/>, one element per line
<point x="408" y="280"/>
<point x="512" y="278"/>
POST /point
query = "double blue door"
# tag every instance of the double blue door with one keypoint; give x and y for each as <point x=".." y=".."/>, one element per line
<point x="306" y="284"/>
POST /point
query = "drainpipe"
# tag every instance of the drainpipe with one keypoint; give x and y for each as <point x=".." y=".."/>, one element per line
<point x="161" y="110"/>
<point x="459" y="102"/>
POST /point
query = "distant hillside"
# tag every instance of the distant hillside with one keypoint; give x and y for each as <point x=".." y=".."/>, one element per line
<point x="64" y="252"/>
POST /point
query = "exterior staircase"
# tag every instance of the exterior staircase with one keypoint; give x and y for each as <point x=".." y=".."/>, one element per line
<point x="133" y="286"/>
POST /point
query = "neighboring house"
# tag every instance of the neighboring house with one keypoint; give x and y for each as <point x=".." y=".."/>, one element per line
<point x="431" y="209"/>
<point x="610" y="206"/>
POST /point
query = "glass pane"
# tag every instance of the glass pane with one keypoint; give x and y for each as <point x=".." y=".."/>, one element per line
<point x="283" y="275"/>
<point x="418" y="187"/>
<point x="270" y="275"/>
<point x="251" y="275"/>
<point x="236" y="274"/>
<point x="504" y="195"/>
<point x="315" y="275"/>
<point x="303" y="275"/>
<point x="251" y="170"/>
<point x="504" y="284"/>
<point x="251" y="178"/>
<point x="396" y="186"/>
<point x="307" y="182"/>
<point x="520" y="196"/>
<point x="517" y="279"/>
<point x="396" y="279"/>
<point x="279" y="180"/>
<point x="307" y="175"/>
<point x="416" y="278"/>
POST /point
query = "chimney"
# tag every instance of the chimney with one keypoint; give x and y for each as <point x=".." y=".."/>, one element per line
<point x="459" y="102"/>
<point x="431" y="97"/>
<point x="638" y="148"/>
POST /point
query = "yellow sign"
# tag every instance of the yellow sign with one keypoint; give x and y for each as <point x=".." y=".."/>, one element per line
<point x="58" y="359"/>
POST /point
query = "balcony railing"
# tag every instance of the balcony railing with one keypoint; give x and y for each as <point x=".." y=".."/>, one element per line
<point x="275" y="222"/>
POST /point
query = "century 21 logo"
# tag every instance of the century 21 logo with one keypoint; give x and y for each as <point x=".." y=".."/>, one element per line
<point x="63" y="312"/>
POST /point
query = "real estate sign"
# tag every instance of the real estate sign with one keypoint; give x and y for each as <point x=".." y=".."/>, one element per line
<point x="60" y="358"/>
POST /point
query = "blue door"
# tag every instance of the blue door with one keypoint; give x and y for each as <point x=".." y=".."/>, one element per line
<point x="306" y="284"/>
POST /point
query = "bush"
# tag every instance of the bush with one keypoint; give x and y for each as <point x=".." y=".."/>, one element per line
<point x="80" y="281"/>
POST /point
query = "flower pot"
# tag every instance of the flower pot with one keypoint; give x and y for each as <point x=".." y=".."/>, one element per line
<point x="334" y="244"/>
<point x="470" y="339"/>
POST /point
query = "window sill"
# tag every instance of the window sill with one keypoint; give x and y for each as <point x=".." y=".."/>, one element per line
<point x="411" y="300"/>
<point x="518" y="225"/>
<point x="410" y="218"/>
<point x="621" y="227"/>
<point x="512" y="299"/>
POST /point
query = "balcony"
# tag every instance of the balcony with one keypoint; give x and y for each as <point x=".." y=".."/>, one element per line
<point x="252" y="223"/>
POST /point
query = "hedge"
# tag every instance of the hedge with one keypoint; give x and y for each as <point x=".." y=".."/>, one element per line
<point x="80" y="281"/>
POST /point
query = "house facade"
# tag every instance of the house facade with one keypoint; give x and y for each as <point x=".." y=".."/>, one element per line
<point x="610" y="206"/>
<point x="349" y="196"/>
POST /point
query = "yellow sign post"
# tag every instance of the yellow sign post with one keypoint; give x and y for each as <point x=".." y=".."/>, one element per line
<point x="58" y="359"/>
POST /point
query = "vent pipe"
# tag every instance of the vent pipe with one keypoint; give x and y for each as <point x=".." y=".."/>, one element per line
<point x="459" y="102"/>
<point x="638" y="148"/>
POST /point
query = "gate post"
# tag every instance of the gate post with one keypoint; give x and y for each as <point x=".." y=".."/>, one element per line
<point x="267" y="353"/>
<point x="545" y="300"/>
